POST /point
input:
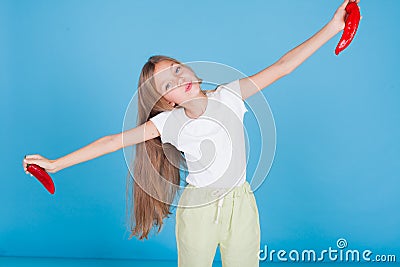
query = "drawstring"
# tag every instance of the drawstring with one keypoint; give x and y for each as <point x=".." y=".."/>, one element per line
<point x="220" y="201"/>
<point x="246" y="189"/>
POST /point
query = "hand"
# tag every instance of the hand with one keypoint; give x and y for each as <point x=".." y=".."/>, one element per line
<point x="48" y="165"/>
<point x="340" y="16"/>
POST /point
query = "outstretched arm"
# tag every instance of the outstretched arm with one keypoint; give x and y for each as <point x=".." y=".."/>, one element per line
<point x="102" y="146"/>
<point x="291" y="60"/>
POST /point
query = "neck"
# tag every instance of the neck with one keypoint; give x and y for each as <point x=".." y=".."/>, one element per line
<point x="197" y="106"/>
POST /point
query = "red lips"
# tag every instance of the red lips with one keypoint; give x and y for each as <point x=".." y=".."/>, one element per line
<point x="188" y="87"/>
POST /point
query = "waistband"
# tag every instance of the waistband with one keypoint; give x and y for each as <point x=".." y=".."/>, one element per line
<point x="199" y="196"/>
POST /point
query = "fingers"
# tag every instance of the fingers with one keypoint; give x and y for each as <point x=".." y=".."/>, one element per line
<point x="33" y="161"/>
<point x="35" y="156"/>
<point x="344" y="4"/>
<point x="39" y="160"/>
<point x="25" y="166"/>
<point x="30" y="159"/>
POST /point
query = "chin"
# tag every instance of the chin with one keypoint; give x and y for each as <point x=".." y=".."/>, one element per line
<point x="196" y="89"/>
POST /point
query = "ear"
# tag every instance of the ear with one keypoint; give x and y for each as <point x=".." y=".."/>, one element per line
<point x="172" y="104"/>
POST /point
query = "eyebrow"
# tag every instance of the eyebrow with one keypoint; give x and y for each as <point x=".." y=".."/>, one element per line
<point x="162" y="85"/>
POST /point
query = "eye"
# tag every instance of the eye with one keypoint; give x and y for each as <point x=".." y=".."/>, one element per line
<point x="168" y="86"/>
<point x="177" y="69"/>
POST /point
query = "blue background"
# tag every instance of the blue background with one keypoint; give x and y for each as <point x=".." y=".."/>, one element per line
<point x="68" y="70"/>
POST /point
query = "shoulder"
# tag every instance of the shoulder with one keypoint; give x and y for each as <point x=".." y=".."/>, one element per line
<point x="232" y="88"/>
<point x="160" y="118"/>
<point x="162" y="114"/>
<point x="231" y="92"/>
<point x="173" y="116"/>
<point x="165" y="123"/>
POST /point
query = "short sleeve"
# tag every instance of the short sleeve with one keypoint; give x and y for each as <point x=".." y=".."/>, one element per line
<point x="236" y="94"/>
<point x="159" y="121"/>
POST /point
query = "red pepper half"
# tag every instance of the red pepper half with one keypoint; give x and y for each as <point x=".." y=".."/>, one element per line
<point x="351" y="26"/>
<point x="42" y="176"/>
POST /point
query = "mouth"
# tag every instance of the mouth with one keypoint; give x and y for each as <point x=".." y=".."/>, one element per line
<point x="188" y="87"/>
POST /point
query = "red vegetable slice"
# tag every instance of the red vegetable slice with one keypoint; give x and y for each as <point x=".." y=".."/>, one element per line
<point x="42" y="176"/>
<point x="351" y="26"/>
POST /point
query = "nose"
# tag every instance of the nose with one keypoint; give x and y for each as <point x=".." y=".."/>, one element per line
<point x="181" y="81"/>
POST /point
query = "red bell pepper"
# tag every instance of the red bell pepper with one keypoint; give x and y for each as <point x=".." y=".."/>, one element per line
<point x="351" y="26"/>
<point x="42" y="176"/>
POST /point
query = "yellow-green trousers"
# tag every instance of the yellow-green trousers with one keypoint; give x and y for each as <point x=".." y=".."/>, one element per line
<point x="231" y="221"/>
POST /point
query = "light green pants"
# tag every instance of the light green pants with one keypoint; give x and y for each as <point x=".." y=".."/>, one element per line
<point x="232" y="222"/>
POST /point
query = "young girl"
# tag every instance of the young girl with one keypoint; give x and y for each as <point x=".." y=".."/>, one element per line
<point x="176" y="118"/>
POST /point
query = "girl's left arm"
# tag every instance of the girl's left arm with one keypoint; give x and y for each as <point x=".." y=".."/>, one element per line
<point x="291" y="60"/>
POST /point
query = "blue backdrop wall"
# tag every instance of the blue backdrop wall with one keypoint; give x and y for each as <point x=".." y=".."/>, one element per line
<point x="68" y="70"/>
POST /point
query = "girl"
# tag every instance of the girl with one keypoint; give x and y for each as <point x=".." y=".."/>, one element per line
<point x="174" y="121"/>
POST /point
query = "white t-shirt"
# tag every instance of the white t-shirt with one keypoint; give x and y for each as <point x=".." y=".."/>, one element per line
<point x="213" y="144"/>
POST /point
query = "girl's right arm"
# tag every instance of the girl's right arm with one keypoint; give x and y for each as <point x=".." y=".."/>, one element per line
<point x="102" y="146"/>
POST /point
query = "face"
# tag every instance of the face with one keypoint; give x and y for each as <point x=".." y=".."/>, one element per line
<point x="175" y="82"/>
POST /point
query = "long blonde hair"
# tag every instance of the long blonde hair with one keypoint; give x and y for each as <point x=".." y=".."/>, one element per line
<point x="156" y="166"/>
